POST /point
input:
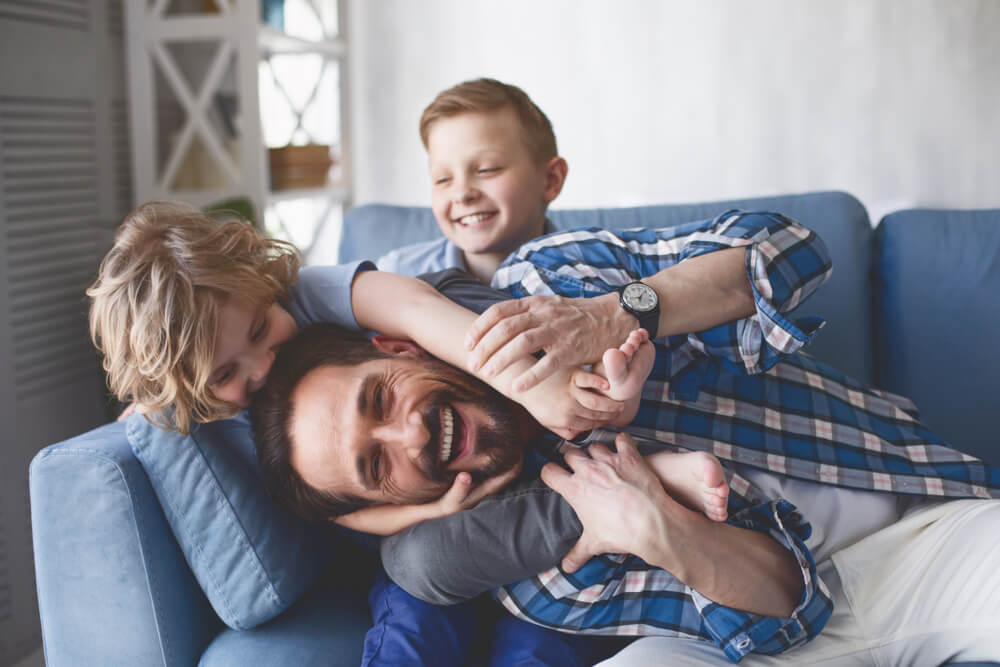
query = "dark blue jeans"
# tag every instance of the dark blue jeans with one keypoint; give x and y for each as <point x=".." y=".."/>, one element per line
<point x="409" y="631"/>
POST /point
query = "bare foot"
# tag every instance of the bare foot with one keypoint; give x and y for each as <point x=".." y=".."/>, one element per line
<point x="627" y="367"/>
<point x="695" y="479"/>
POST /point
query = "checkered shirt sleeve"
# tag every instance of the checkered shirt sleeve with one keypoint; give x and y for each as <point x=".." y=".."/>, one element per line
<point x="785" y="263"/>
<point x="620" y="594"/>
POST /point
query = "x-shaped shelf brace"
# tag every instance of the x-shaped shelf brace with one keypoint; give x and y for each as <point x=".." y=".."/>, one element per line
<point x="196" y="107"/>
<point x="297" y="111"/>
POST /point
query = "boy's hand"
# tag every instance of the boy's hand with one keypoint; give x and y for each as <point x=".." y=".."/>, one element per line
<point x="564" y="403"/>
<point x="463" y="495"/>
<point x="571" y="331"/>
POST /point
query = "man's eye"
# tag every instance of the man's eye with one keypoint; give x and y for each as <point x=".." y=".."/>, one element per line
<point x="377" y="467"/>
<point x="379" y="401"/>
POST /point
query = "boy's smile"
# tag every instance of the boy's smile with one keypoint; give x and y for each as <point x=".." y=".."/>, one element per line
<point x="488" y="193"/>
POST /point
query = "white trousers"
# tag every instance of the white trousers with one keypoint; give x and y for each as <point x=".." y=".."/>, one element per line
<point x="922" y="591"/>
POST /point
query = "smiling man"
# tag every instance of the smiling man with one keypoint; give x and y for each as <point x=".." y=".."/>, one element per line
<point x="805" y="527"/>
<point x="396" y="428"/>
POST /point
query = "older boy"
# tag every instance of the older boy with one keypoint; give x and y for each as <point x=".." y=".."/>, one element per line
<point x="494" y="169"/>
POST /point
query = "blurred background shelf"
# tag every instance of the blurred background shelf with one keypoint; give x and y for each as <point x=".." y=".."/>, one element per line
<point x="214" y="89"/>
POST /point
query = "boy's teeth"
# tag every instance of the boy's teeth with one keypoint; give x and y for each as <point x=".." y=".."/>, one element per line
<point x="473" y="219"/>
<point x="447" y="434"/>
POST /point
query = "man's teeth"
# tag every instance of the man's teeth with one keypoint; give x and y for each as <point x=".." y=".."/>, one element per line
<point x="474" y="219"/>
<point x="448" y="423"/>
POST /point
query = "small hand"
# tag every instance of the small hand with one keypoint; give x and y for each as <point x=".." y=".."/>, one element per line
<point x="571" y="331"/>
<point x="617" y="497"/>
<point x="463" y="495"/>
<point x="564" y="403"/>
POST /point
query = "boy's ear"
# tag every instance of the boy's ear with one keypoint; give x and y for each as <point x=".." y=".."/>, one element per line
<point x="555" y="176"/>
<point x="399" y="346"/>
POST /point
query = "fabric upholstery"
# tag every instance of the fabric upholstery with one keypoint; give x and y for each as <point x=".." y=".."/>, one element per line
<point x="938" y="317"/>
<point x="252" y="557"/>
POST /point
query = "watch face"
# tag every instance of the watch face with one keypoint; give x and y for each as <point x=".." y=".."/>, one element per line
<point x="640" y="297"/>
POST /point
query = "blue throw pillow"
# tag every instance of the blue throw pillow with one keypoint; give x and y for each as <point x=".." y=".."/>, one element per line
<point x="252" y="557"/>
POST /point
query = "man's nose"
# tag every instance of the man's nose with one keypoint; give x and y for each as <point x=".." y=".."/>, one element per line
<point x="409" y="432"/>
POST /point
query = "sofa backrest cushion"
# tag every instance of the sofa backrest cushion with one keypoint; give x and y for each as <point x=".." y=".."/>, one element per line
<point x="937" y="279"/>
<point x="252" y="558"/>
<point x="841" y="221"/>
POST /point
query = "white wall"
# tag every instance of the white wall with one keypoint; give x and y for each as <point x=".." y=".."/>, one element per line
<point x="896" y="101"/>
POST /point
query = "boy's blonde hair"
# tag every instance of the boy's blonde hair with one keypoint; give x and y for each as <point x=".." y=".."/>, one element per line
<point x="155" y="305"/>
<point x="482" y="95"/>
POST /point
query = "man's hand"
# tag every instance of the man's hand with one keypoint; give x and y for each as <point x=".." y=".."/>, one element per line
<point x="619" y="501"/>
<point x="571" y="331"/>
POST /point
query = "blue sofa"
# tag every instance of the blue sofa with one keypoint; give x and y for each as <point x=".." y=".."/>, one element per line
<point x="156" y="550"/>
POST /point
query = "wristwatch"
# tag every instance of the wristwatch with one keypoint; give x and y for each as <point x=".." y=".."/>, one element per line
<point x="640" y="300"/>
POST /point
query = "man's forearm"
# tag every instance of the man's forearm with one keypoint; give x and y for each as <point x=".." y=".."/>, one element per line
<point x="697" y="294"/>
<point x="732" y="566"/>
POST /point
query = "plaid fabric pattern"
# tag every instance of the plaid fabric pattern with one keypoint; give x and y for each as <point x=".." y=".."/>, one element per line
<point x="724" y="391"/>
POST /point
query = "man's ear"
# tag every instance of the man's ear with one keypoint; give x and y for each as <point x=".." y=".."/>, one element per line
<point x="399" y="347"/>
<point x="555" y="176"/>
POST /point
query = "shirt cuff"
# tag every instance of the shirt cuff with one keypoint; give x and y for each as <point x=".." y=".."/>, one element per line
<point x="323" y="294"/>
<point x="768" y="336"/>
<point x="739" y="633"/>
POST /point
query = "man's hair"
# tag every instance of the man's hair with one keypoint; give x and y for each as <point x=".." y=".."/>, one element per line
<point x="155" y="305"/>
<point x="482" y="95"/>
<point x="271" y="413"/>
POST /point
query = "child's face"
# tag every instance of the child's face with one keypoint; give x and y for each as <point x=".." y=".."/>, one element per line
<point x="488" y="193"/>
<point x="247" y="340"/>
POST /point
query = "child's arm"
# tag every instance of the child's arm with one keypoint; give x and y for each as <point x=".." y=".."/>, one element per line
<point x="404" y="307"/>
<point x="389" y="519"/>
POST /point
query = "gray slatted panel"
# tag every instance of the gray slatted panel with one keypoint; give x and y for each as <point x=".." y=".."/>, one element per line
<point x="50" y="188"/>
<point x="62" y="70"/>
<point x="72" y="14"/>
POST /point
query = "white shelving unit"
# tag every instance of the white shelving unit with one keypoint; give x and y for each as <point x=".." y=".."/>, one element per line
<point x="211" y="89"/>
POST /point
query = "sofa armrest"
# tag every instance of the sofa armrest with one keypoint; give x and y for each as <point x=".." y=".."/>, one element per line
<point x="113" y="586"/>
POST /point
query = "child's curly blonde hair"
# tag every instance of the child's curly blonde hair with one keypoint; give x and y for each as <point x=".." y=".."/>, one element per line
<point x="155" y="305"/>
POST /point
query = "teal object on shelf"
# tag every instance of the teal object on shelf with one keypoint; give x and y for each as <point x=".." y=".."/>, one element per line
<point x="272" y="13"/>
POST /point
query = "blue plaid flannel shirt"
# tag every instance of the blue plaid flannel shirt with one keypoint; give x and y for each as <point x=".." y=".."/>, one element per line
<point x="724" y="391"/>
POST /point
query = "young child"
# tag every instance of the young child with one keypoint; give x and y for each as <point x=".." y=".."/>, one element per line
<point x="494" y="169"/>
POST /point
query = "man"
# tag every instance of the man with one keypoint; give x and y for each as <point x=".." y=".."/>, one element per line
<point x="709" y="406"/>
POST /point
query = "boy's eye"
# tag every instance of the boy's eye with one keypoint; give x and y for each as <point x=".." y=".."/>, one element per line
<point x="259" y="331"/>
<point x="223" y="377"/>
<point x="488" y="170"/>
<point x="442" y="180"/>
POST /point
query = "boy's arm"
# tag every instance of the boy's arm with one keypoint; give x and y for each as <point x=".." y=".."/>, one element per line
<point x="390" y="519"/>
<point x="403" y="307"/>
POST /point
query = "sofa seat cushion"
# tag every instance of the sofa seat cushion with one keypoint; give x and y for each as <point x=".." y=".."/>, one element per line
<point x="252" y="558"/>
<point x="326" y="628"/>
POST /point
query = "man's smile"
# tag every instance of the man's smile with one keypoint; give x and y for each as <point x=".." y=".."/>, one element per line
<point x="455" y="437"/>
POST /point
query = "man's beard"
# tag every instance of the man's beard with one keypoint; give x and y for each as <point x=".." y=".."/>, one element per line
<point x="499" y="439"/>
